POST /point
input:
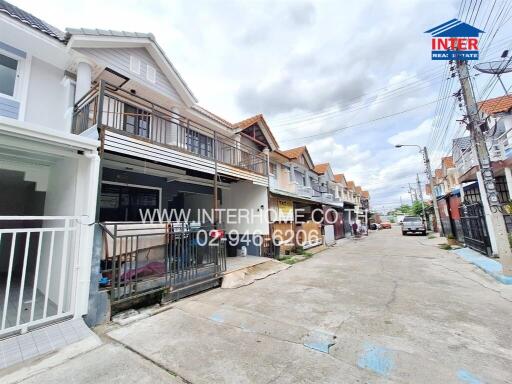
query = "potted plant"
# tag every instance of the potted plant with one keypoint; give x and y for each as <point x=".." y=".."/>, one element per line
<point x="451" y="240"/>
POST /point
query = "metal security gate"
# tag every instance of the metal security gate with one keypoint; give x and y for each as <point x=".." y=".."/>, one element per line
<point x="474" y="228"/>
<point x="144" y="259"/>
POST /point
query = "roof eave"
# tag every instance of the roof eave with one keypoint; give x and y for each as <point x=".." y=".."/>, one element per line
<point x="94" y="41"/>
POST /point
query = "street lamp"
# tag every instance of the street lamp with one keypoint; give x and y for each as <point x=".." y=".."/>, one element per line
<point x="430" y="180"/>
<point x="408" y="145"/>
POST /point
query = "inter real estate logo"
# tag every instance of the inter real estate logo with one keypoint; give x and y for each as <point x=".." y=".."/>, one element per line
<point x="454" y="40"/>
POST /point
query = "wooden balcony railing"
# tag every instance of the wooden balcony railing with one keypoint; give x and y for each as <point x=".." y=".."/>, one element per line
<point x="109" y="107"/>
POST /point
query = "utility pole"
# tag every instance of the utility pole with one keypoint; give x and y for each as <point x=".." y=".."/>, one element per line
<point x="421" y="199"/>
<point x="479" y="147"/>
<point x="434" y="197"/>
<point x="410" y="194"/>
<point x="411" y="189"/>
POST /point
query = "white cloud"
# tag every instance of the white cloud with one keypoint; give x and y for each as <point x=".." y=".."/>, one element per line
<point x="299" y="57"/>
<point x="412" y="136"/>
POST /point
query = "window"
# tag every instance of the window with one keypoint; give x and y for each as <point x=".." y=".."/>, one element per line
<point x="150" y="74"/>
<point x="8" y="75"/>
<point x="199" y="143"/>
<point x="135" y="65"/>
<point x="123" y="203"/>
<point x="273" y="168"/>
<point x="136" y="121"/>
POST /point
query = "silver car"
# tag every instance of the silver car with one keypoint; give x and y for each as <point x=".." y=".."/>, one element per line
<point x="413" y="224"/>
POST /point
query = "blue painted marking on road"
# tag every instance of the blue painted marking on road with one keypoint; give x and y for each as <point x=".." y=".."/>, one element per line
<point x="376" y="359"/>
<point x="319" y="341"/>
<point x="217" y="317"/>
<point x="467" y="377"/>
<point x="489" y="266"/>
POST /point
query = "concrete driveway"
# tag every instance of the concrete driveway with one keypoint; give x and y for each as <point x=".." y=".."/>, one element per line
<point x="385" y="308"/>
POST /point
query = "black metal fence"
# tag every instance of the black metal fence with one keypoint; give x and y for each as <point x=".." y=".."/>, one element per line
<point x="143" y="259"/>
<point x="474" y="228"/>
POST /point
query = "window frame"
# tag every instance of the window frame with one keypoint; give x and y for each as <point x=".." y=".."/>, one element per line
<point x="18" y="81"/>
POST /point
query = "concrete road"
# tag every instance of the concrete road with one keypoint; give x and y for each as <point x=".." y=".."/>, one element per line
<point x="384" y="309"/>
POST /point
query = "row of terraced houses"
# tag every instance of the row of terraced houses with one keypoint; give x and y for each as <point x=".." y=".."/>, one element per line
<point x="458" y="185"/>
<point x="97" y="126"/>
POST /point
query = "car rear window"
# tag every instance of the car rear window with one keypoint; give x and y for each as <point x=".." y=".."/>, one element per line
<point x="412" y="218"/>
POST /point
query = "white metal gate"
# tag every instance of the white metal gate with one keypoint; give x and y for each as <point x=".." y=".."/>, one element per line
<point x="38" y="270"/>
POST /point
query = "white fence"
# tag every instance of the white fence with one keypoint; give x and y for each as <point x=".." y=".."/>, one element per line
<point x="38" y="270"/>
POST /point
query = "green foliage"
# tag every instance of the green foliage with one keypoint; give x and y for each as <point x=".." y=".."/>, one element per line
<point x="450" y="237"/>
<point x="404" y="209"/>
<point x="446" y="247"/>
<point x="416" y="209"/>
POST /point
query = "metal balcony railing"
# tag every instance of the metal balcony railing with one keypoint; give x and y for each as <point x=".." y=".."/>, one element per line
<point x="109" y="107"/>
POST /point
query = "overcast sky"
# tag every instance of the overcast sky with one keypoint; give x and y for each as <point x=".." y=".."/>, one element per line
<point x="311" y="67"/>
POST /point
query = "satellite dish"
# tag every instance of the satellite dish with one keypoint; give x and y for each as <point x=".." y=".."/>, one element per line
<point x="494" y="67"/>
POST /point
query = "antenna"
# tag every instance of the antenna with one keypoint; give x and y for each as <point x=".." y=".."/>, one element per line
<point x="496" y="68"/>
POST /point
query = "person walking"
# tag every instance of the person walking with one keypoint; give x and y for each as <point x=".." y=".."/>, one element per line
<point x="354" y="228"/>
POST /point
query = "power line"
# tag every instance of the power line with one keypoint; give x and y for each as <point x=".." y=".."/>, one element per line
<point x="363" y="123"/>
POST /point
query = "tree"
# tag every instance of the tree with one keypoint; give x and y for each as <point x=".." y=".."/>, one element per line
<point x="405" y="209"/>
<point x="416" y="209"/>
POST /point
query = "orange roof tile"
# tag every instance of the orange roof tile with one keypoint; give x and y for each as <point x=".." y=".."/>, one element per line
<point x="439" y="173"/>
<point x="496" y="105"/>
<point x="294" y="152"/>
<point x="365" y="194"/>
<point x="448" y="162"/>
<point x="351" y="185"/>
<point x="248" y="122"/>
<point x="339" y="178"/>
<point x="254" y="119"/>
<point x="359" y="189"/>
<point x="321" y="168"/>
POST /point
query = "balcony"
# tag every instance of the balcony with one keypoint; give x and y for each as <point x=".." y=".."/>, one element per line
<point x="500" y="148"/>
<point x="327" y="197"/>
<point x="304" y="191"/>
<point x="131" y="125"/>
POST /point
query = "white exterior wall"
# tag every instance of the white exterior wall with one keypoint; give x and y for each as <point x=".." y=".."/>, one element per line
<point x="246" y="195"/>
<point x="49" y="98"/>
<point x="69" y="181"/>
<point x="119" y="60"/>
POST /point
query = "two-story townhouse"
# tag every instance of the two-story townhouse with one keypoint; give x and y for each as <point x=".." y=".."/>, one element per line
<point x="347" y="198"/>
<point x="361" y="213"/>
<point x="352" y="197"/>
<point x="48" y="179"/>
<point x="474" y="204"/>
<point x="295" y="199"/>
<point x="365" y="203"/>
<point x="448" y="195"/>
<point x="332" y="203"/>
<point x="162" y="152"/>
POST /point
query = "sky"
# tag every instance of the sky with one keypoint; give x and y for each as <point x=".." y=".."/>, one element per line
<point x="349" y="79"/>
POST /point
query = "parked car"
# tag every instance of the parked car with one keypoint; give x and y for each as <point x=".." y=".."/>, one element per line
<point x="385" y="225"/>
<point x="413" y="224"/>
